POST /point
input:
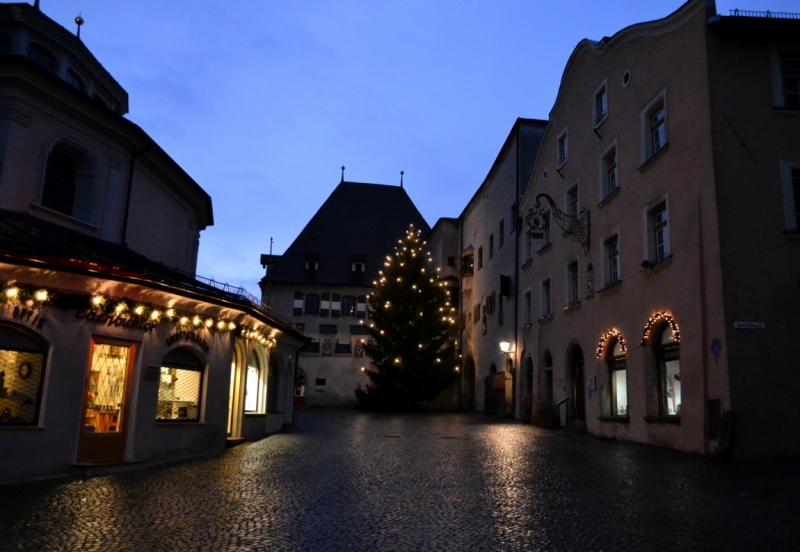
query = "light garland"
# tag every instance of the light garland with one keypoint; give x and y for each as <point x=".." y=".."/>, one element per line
<point x="668" y="318"/>
<point x="613" y="332"/>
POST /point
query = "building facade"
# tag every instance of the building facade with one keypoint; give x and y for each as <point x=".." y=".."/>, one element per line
<point x="107" y="356"/>
<point x="658" y="276"/>
<point x="322" y="281"/>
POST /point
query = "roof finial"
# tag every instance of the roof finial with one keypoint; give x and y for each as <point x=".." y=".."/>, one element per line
<point x="36" y="4"/>
<point x="401" y="178"/>
<point x="342" y="173"/>
<point x="79" y="22"/>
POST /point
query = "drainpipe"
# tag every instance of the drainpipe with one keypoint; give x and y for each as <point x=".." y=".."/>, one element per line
<point x="130" y="189"/>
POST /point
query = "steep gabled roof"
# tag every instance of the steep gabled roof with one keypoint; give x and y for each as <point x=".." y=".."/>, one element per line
<point x="357" y="223"/>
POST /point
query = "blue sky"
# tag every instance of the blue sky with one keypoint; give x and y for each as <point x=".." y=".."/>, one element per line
<point x="262" y="102"/>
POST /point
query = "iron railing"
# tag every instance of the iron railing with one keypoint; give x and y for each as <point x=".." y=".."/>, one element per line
<point x="765" y="14"/>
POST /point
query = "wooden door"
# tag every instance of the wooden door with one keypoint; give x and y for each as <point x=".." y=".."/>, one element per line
<point x="106" y="401"/>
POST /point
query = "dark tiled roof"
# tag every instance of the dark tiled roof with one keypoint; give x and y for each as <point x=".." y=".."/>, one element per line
<point x="25" y="238"/>
<point x="357" y="223"/>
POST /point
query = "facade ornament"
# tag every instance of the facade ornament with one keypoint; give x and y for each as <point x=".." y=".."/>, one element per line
<point x="577" y="226"/>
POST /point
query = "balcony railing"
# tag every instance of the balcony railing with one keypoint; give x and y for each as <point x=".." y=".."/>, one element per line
<point x="765" y="14"/>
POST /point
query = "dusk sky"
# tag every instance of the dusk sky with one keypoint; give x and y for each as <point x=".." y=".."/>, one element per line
<point x="262" y="102"/>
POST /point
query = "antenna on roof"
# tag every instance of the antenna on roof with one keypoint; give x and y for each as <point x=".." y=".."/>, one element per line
<point x="401" y="178"/>
<point x="79" y="22"/>
<point x="342" y="173"/>
<point x="36" y="4"/>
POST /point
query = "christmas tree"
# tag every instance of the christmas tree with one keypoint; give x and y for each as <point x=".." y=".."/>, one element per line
<point x="412" y="316"/>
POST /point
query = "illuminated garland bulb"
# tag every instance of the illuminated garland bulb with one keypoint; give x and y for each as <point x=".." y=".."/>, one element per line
<point x="155" y="314"/>
<point x="139" y="310"/>
<point x="120" y="308"/>
<point x="231" y="326"/>
<point x="456" y="368"/>
<point x="221" y="325"/>
<point x="12" y="292"/>
<point x="397" y="360"/>
<point x="196" y="321"/>
<point x="184" y="320"/>
<point x="170" y="313"/>
<point x="41" y="295"/>
<point x="209" y="322"/>
<point x="96" y="300"/>
<point x="363" y="369"/>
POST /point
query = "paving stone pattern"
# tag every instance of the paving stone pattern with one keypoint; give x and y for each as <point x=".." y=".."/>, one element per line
<point x="342" y="480"/>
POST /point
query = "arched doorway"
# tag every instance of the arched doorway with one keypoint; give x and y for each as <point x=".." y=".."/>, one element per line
<point x="299" y="389"/>
<point x="577" y="410"/>
<point x="469" y="383"/>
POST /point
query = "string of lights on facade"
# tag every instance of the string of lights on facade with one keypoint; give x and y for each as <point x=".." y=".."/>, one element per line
<point x="608" y="334"/>
<point x="657" y="317"/>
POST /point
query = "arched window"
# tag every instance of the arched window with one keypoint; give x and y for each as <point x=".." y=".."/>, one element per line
<point x="312" y="303"/>
<point x="180" y="387"/>
<point x="254" y="384"/>
<point x="21" y="375"/>
<point x="615" y="358"/>
<point x="667" y="351"/>
<point x="42" y="57"/>
<point x="75" y="80"/>
<point x="69" y="183"/>
<point x="547" y="380"/>
<point x="348" y="306"/>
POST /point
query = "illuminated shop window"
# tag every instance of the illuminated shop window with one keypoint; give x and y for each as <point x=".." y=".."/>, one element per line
<point x="619" y="379"/>
<point x="253" y="388"/>
<point x="21" y="374"/>
<point x="669" y="372"/>
<point x="179" y="387"/>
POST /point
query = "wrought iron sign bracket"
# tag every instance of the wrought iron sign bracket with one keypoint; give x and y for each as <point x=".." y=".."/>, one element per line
<point x="577" y="226"/>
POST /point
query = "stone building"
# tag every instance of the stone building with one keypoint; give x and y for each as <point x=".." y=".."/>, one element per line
<point x="107" y="356"/>
<point x="658" y="277"/>
<point x="322" y="280"/>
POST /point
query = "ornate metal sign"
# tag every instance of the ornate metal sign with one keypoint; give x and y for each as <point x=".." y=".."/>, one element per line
<point x="577" y="226"/>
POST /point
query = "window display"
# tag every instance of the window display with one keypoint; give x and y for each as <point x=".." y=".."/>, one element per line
<point x="619" y="380"/>
<point x="669" y="374"/>
<point x="21" y="368"/>
<point x="179" y="387"/>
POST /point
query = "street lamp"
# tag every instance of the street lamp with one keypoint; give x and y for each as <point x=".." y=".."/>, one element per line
<point x="505" y="347"/>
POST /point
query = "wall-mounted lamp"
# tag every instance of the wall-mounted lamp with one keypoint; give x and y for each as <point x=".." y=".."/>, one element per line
<point x="506" y="347"/>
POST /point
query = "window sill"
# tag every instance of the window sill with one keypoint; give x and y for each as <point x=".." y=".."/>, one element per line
<point x="608" y="197"/>
<point x="572" y="307"/>
<point x="615" y="419"/>
<point x="65" y="218"/>
<point x="546" y="318"/>
<point x="655" y="267"/>
<point x="673" y="420"/>
<point x="546" y="247"/>
<point x="608" y="288"/>
<point x="527" y="263"/>
<point x="652" y="159"/>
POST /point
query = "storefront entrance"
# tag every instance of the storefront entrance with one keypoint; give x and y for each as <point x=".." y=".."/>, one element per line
<point x="106" y="401"/>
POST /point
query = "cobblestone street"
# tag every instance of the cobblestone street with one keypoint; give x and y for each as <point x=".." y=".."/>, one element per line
<point x="342" y="480"/>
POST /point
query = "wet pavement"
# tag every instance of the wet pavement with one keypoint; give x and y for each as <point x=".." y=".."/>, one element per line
<point x="342" y="480"/>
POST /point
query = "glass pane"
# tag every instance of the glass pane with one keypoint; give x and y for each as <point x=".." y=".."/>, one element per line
<point x="20" y="381"/>
<point x="667" y="336"/>
<point x="179" y="394"/>
<point x="106" y="394"/>
<point x="672" y="387"/>
<point x="619" y="388"/>
<point x="617" y="351"/>
<point x="251" y="389"/>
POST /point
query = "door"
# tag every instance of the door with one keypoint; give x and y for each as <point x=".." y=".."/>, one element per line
<point x="106" y="401"/>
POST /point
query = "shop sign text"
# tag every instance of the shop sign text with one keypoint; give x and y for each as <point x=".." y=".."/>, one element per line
<point x="29" y="316"/>
<point x="114" y="320"/>
<point x="188" y="336"/>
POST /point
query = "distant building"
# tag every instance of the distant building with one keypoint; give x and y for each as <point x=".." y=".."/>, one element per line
<point x="322" y="280"/>
<point x="658" y="297"/>
<point x="107" y="355"/>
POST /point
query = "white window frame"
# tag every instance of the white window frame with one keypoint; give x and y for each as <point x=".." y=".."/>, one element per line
<point x="562" y="153"/>
<point x="608" y="269"/>
<point x="776" y="54"/>
<point x="605" y="188"/>
<point x="660" y="100"/>
<point x="547" y="230"/>
<point x="598" y="119"/>
<point x="568" y="199"/>
<point x="649" y="238"/>
<point x="790" y="202"/>
<point x="573" y="285"/>
<point x="546" y="296"/>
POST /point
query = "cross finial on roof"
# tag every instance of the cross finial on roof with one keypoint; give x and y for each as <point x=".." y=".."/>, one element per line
<point x="342" y="173"/>
<point x="401" y="178"/>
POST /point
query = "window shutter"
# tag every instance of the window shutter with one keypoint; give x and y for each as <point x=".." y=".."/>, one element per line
<point x="325" y="305"/>
<point x="298" y="303"/>
<point x="336" y="305"/>
<point x="361" y="307"/>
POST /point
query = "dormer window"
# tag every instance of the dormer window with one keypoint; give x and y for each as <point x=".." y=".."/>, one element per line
<point x="42" y="57"/>
<point x="74" y="80"/>
<point x="359" y="268"/>
<point x="312" y="265"/>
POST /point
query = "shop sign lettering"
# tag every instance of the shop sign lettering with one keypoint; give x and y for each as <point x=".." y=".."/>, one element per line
<point x="188" y="336"/>
<point x="117" y="320"/>
<point x="29" y="316"/>
<point x="749" y="326"/>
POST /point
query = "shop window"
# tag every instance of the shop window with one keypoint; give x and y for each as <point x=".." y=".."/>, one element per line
<point x="22" y="361"/>
<point x="69" y="183"/>
<point x="348" y="305"/>
<point x="254" y="386"/>
<point x="74" y="80"/>
<point x="619" y="379"/>
<point x="180" y="387"/>
<point x="312" y="303"/>
<point x="42" y="57"/>
<point x="669" y="373"/>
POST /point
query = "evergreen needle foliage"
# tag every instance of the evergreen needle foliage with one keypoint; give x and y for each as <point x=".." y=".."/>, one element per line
<point x="412" y="315"/>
